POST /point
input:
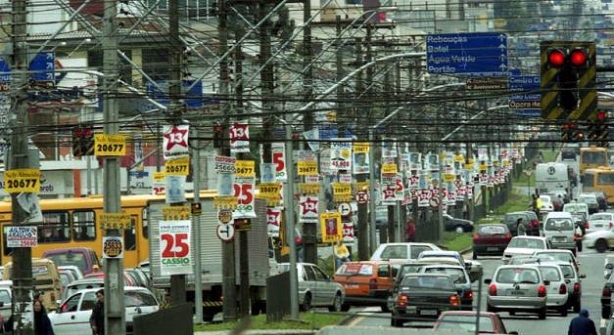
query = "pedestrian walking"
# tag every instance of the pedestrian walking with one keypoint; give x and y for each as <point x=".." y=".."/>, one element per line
<point x="42" y="324"/>
<point x="97" y="318"/>
<point x="582" y="325"/>
<point x="410" y="231"/>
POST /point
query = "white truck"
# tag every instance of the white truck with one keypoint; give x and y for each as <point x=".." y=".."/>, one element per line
<point x="211" y="257"/>
<point x="550" y="177"/>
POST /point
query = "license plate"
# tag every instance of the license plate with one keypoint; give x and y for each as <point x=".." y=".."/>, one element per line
<point x="560" y="239"/>
<point x="492" y="248"/>
<point x="428" y="312"/>
<point x="351" y="286"/>
<point x="516" y="292"/>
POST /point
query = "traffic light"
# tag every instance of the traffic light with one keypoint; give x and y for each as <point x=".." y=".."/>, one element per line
<point x="570" y="132"/>
<point x="568" y="78"/>
<point x="83" y="141"/>
<point x="601" y="128"/>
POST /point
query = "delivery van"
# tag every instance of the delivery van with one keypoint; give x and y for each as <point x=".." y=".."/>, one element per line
<point x="46" y="281"/>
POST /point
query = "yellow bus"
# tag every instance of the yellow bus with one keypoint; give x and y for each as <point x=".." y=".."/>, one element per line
<point x="601" y="179"/>
<point x="75" y="222"/>
<point x="593" y="157"/>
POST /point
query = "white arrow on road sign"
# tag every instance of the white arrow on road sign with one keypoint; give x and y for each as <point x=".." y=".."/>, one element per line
<point x="225" y="232"/>
<point x="344" y="209"/>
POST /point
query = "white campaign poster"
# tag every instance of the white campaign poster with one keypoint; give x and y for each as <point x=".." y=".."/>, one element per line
<point x="175" y="143"/>
<point x="244" y="192"/>
<point x="176" y="247"/>
<point x="273" y="220"/>
<point x="308" y="208"/>
<point x="340" y="154"/>
<point x="175" y="189"/>
<point x="278" y="154"/>
<point x="239" y="137"/>
<point x="225" y="184"/>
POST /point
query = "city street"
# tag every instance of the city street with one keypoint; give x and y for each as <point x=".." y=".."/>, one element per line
<point x="591" y="264"/>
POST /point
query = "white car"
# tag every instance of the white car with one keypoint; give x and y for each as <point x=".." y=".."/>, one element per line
<point x="600" y="240"/>
<point x="524" y="245"/>
<point x="547" y="205"/>
<point x="73" y="316"/>
<point x="600" y="221"/>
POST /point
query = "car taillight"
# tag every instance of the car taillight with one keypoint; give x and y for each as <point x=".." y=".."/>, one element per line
<point x="606" y="293"/>
<point x="492" y="290"/>
<point x="454" y="301"/>
<point x="563" y="289"/>
<point x="508" y="236"/>
<point x="373" y="284"/>
<point x="476" y="237"/>
<point x="541" y="291"/>
<point x="468" y="294"/>
<point x="535" y="223"/>
<point x="402" y="300"/>
<point x="576" y="287"/>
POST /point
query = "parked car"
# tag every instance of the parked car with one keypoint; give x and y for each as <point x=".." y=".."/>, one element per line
<point x="590" y="200"/>
<point x="529" y="219"/>
<point x="490" y="323"/>
<point x="73" y="316"/>
<point x="509" y="282"/>
<point x="366" y="283"/>
<point x="600" y="221"/>
<point x="423" y="296"/>
<point x="457" y="225"/>
<point x="524" y="245"/>
<point x="317" y="289"/>
<point x="490" y="240"/>
<point x="401" y="250"/>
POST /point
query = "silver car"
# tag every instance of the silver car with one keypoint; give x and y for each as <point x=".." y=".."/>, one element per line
<point x="517" y="288"/>
<point x="558" y="293"/>
<point x="317" y="289"/>
<point x="574" y="284"/>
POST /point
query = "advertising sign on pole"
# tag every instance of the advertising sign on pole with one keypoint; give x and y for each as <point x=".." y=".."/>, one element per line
<point x="21" y="236"/>
<point x="175" y="247"/>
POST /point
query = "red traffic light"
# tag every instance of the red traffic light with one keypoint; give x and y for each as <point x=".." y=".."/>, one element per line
<point x="577" y="57"/>
<point x="556" y="58"/>
<point x="601" y="115"/>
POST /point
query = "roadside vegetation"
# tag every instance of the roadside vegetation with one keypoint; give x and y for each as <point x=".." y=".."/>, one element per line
<point x="312" y="320"/>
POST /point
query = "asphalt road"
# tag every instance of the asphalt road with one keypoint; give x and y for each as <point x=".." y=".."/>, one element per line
<point x="591" y="264"/>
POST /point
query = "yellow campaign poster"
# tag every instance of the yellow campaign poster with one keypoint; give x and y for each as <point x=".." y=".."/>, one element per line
<point x="361" y="147"/>
<point x="331" y="227"/>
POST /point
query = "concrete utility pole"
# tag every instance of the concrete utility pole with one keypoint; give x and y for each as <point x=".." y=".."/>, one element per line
<point x="19" y="159"/>
<point x="114" y="272"/>
<point x="178" y="282"/>
<point x="229" y="289"/>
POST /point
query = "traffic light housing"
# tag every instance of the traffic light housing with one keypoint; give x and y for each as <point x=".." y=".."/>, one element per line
<point x="83" y="141"/>
<point x="568" y="80"/>
<point x="570" y="132"/>
<point x="601" y="128"/>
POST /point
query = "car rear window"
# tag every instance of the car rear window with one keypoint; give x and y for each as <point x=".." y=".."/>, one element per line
<point x="139" y="298"/>
<point x="559" y="224"/>
<point x="530" y="243"/>
<point x="427" y="282"/>
<point x="517" y="275"/>
<point x="394" y="252"/>
<point x="457" y="275"/>
<point x="550" y="273"/>
<point x="355" y="269"/>
<point x="567" y="271"/>
<point x="600" y="216"/>
<point x="491" y="230"/>
<point x="69" y="258"/>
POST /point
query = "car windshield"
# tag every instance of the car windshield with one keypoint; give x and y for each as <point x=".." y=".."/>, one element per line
<point x="491" y="230"/>
<point x="529" y="243"/>
<point x="550" y="273"/>
<point x="427" y="282"/>
<point x="560" y="256"/>
<point x="600" y="216"/>
<point x="558" y="224"/>
<point x="517" y="275"/>
<point x="409" y="268"/>
<point x="457" y="275"/>
<point x="466" y="323"/>
<point x="394" y="252"/>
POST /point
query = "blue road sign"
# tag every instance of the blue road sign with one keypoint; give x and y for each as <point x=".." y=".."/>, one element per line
<point x="467" y="53"/>
<point x="42" y="67"/>
<point x="193" y="98"/>
<point x="525" y="96"/>
<point x="5" y="72"/>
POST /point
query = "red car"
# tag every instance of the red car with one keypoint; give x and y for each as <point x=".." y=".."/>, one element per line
<point x="490" y="240"/>
<point x="490" y="323"/>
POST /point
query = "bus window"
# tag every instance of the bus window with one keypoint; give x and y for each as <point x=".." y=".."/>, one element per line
<point x="84" y="225"/>
<point x="130" y="235"/>
<point x="606" y="179"/>
<point x="55" y="227"/>
<point x="589" y="180"/>
<point x="598" y="158"/>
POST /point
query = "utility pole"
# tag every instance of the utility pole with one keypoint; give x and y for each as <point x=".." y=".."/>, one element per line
<point x="114" y="272"/>
<point x="243" y="241"/>
<point x="310" y="231"/>
<point x="178" y="282"/>
<point x="229" y="281"/>
<point x="19" y="159"/>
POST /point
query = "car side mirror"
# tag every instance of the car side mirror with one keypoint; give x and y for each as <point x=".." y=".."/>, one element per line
<point x="582" y="276"/>
<point x="546" y="282"/>
<point x="487" y="281"/>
